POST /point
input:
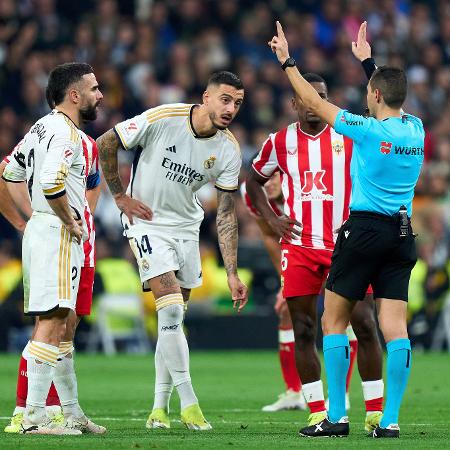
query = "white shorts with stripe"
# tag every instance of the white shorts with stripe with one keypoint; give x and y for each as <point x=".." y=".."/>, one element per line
<point x="51" y="265"/>
<point x="157" y="254"/>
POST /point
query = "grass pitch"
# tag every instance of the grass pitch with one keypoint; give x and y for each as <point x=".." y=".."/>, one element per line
<point x="232" y="388"/>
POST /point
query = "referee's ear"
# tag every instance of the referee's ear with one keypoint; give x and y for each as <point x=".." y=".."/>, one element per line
<point x="378" y="96"/>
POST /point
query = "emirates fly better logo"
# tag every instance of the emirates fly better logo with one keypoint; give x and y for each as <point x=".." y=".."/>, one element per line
<point x="385" y="147"/>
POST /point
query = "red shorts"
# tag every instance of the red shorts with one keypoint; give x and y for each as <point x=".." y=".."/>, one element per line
<point x="84" y="297"/>
<point x="304" y="270"/>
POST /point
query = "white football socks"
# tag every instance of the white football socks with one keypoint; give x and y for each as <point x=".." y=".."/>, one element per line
<point x="175" y="350"/>
<point x="41" y="364"/>
<point x="163" y="381"/>
<point x="65" y="381"/>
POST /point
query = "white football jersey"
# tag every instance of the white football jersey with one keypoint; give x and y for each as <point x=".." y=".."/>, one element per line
<point x="172" y="163"/>
<point x="50" y="158"/>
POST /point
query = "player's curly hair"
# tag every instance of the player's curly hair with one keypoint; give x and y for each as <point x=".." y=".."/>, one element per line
<point x="61" y="77"/>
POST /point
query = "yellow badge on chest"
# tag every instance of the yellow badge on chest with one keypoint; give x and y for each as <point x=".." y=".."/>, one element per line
<point x="337" y="146"/>
<point x="209" y="163"/>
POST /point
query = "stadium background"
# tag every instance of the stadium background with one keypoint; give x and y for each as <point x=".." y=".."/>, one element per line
<point x="146" y="53"/>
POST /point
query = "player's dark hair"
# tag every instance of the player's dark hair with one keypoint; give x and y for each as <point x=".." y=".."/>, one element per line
<point x="61" y="77"/>
<point x="392" y="83"/>
<point x="224" y="77"/>
<point x="314" y="78"/>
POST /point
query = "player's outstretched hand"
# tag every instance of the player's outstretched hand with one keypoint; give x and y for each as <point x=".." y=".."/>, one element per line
<point x="361" y="48"/>
<point x="239" y="292"/>
<point x="75" y="230"/>
<point x="132" y="207"/>
<point x="279" y="44"/>
<point x="285" y="227"/>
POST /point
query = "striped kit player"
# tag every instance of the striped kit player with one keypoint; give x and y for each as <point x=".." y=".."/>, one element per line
<point x="51" y="160"/>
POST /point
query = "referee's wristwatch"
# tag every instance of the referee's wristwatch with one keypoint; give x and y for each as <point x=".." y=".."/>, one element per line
<point x="290" y="62"/>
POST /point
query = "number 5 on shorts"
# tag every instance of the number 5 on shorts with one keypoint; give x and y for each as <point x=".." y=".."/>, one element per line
<point x="284" y="260"/>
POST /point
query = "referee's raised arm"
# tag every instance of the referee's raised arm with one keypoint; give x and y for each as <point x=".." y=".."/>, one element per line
<point x="376" y="245"/>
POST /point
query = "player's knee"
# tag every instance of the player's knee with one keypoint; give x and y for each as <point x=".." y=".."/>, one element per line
<point x="365" y="328"/>
<point x="304" y="329"/>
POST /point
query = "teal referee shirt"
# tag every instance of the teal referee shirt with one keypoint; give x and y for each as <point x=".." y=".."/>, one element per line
<point x="386" y="161"/>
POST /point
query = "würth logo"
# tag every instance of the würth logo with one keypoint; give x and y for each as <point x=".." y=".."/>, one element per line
<point x="172" y="149"/>
<point x="385" y="147"/>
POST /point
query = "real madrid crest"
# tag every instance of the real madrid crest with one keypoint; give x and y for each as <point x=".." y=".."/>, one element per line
<point x="337" y="147"/>
<point x="209" y="163"/>
<point x="145" y="265"/>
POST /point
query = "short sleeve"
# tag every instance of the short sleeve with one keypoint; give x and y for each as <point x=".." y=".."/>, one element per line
<point x="133" y="132"/>
<point x="56" y="164"/>
<point x="15" y="170"/>
<point x="266" y="162"/>
<point x="351" y="125"/>
<point x="228" y="180"/>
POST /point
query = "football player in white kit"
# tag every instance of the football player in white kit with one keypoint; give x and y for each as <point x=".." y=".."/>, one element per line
<point x="178" y="149"/>
<point x="52" y="162"/>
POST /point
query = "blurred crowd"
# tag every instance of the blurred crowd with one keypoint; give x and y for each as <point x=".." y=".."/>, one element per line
<point x="150" y="52"/>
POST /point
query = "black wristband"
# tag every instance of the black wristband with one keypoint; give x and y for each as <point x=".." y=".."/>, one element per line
<point x="369" y="67"/>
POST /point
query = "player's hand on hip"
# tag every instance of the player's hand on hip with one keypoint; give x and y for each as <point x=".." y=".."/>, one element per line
<point x="286" y="228"/>
<point x="239" y="292"/>
<point x="279" y="44"/>
<point x="75" y="230"/>
<point x="132" y="207"/>
<point x="361" y="48"/>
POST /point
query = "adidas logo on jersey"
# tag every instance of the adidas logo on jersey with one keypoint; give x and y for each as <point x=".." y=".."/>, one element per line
<point x="172" y="149"/>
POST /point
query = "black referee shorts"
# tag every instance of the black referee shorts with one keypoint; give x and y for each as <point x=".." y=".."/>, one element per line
<point x="369" y="251"/>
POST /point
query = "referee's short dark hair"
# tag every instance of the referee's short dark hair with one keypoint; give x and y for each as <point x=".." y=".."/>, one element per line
<point x="61" y="77"/>
<point x="392" y="83"/>
<point x="311" y="77"/>
<point x="225" y="77"/>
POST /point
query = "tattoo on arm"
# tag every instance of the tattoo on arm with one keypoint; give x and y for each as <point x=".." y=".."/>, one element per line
<point x="227" y="230"/>
<point x="108" y="145"/>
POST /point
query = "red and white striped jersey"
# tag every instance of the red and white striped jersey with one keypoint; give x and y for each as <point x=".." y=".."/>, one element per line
<point x="91" y="154"/>
<point x="277" y="207"/>
<point x="315" y="178"/>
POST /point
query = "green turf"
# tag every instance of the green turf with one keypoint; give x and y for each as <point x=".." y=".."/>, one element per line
<point x="232" y="387"/>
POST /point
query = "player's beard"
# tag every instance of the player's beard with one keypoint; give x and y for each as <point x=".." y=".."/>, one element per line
<point x="213" y="119"/>
<point x="89" y="113"/>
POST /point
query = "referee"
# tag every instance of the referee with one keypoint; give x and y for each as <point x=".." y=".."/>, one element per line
<point x="376" y="245"/>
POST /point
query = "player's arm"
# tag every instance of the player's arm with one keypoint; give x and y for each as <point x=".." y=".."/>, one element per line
<point x="108" y="147"/>
<point x="227" y="233"/>
<point x="283" y="227"/>
<point x="271" y="242"/>
<point x="93" y="180"/>
<point x="308" y="95"/>
<point x="92" y="196"/>
<point x="7" y="202"/>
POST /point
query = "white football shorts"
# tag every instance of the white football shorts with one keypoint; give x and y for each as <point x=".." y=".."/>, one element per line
<point x="157" y="254"/>
<point x="52" y="262"/>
